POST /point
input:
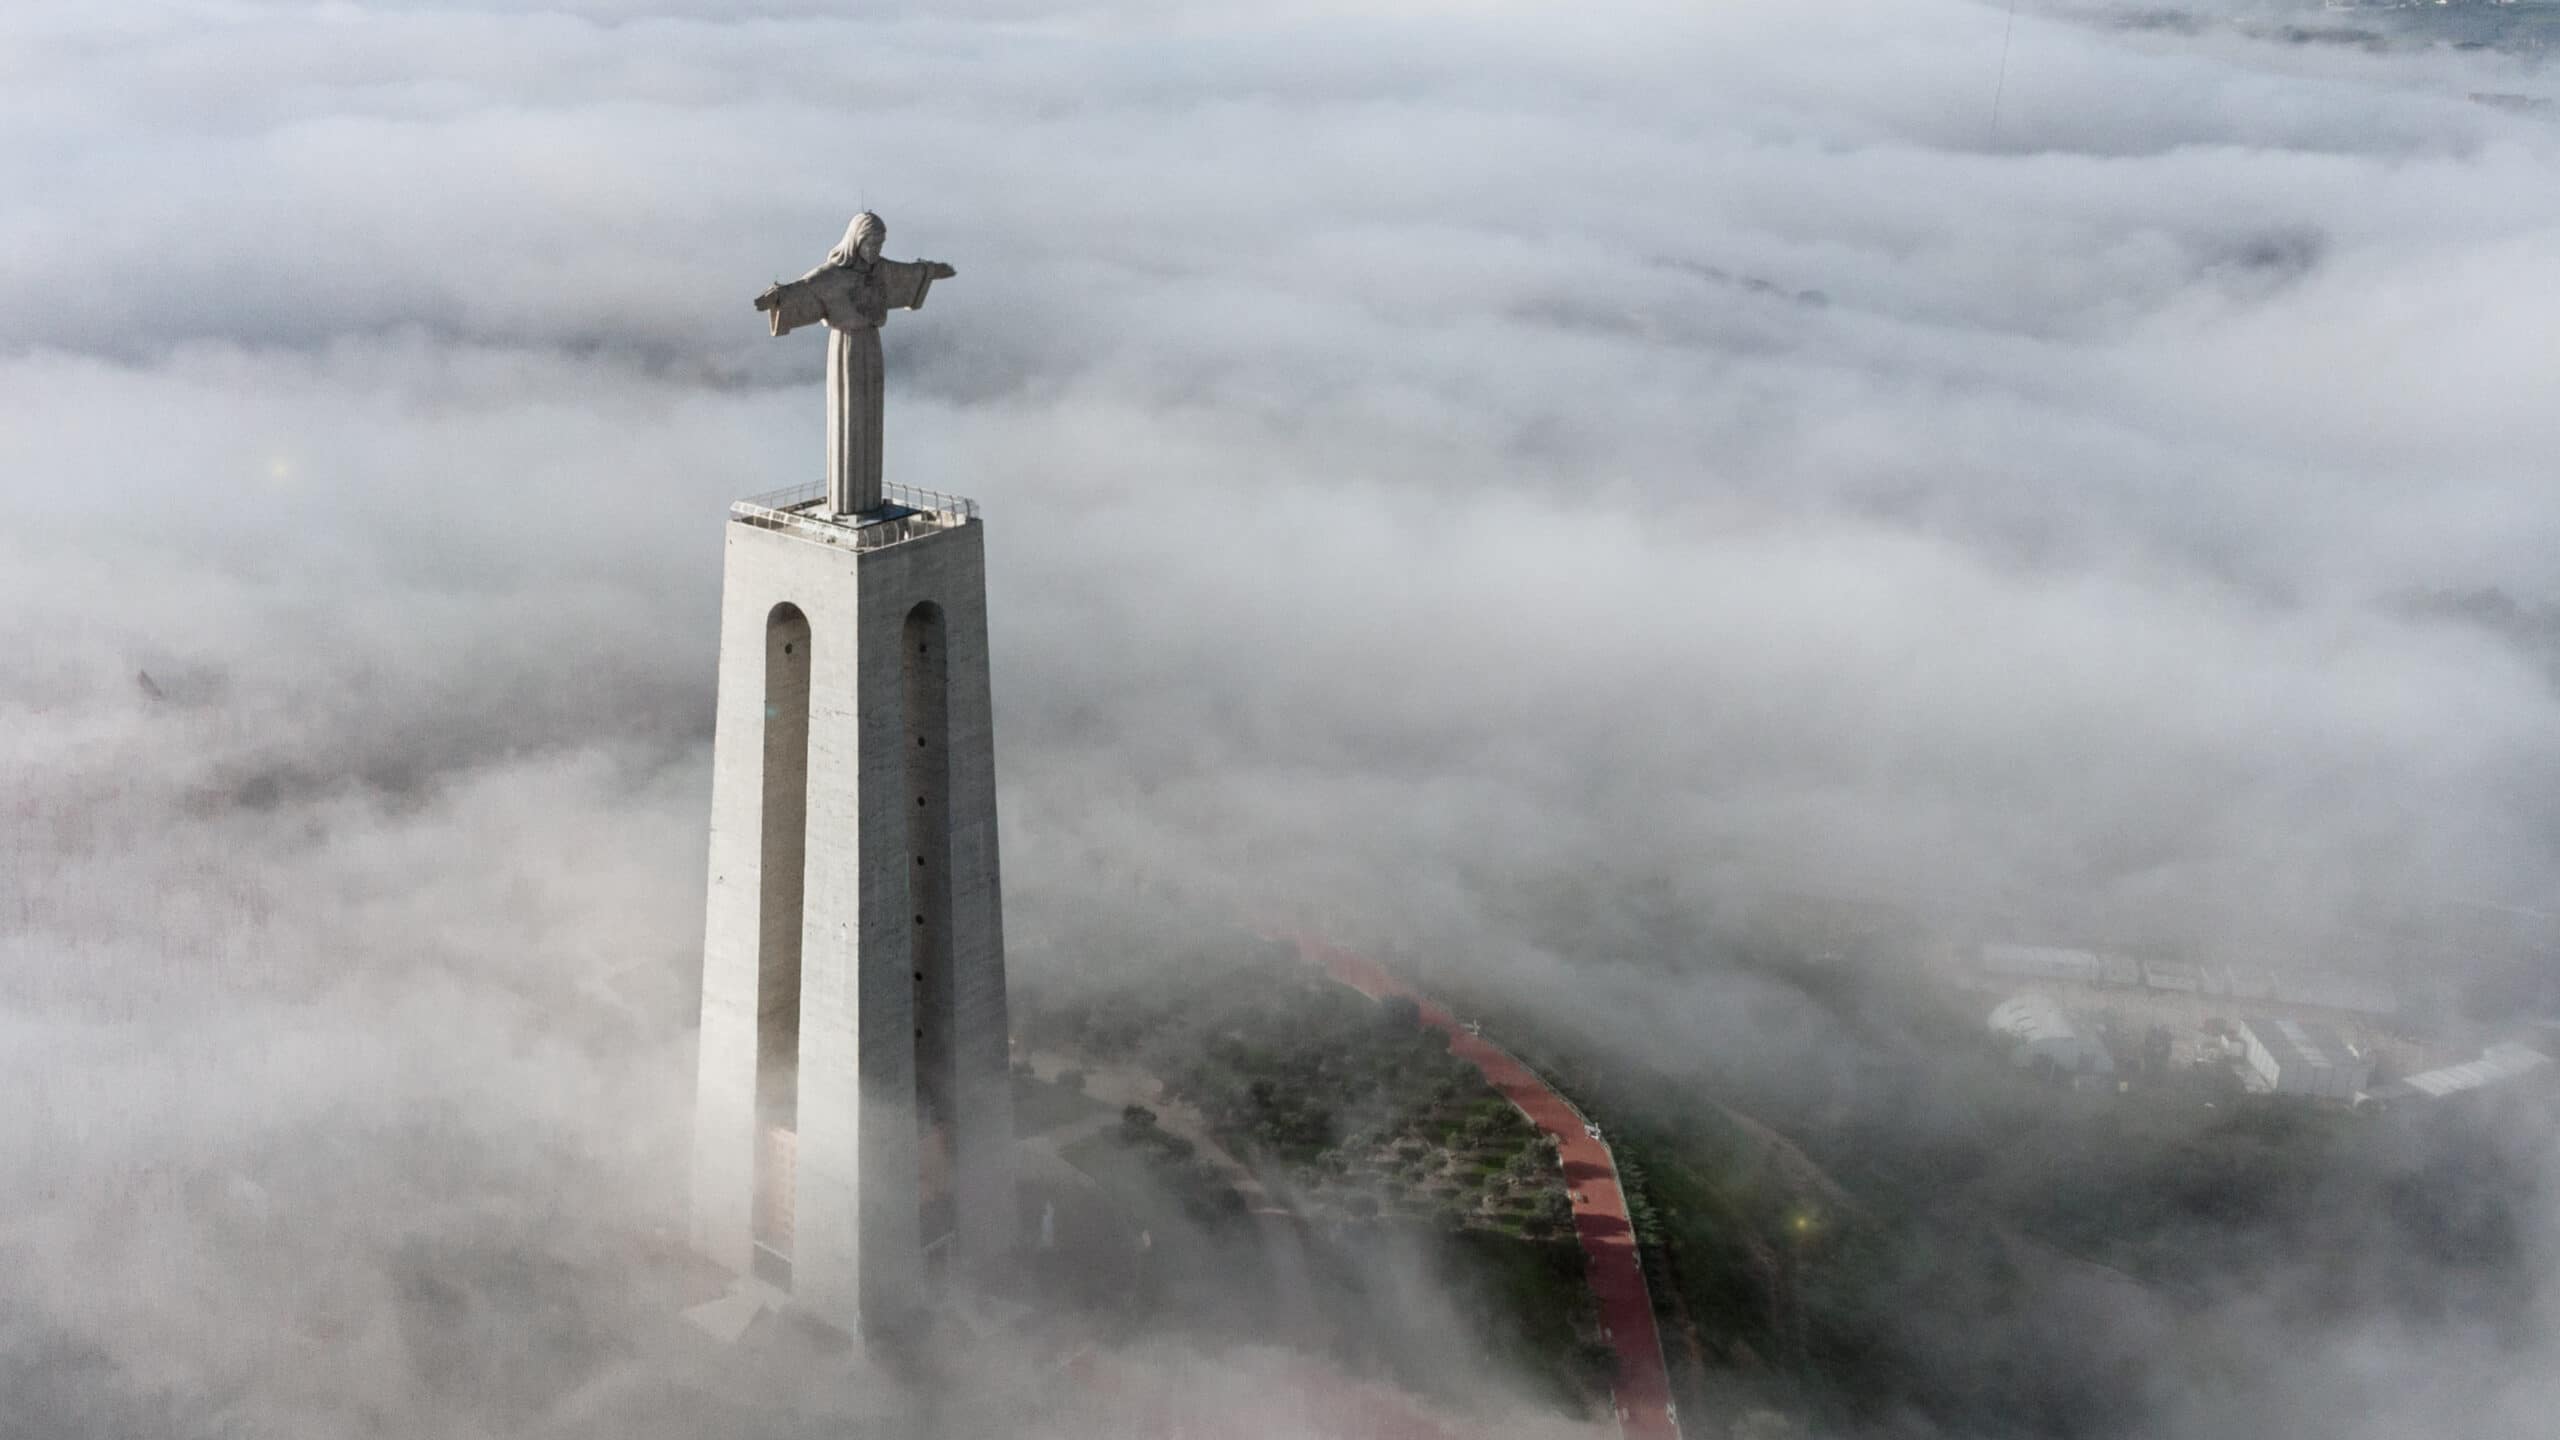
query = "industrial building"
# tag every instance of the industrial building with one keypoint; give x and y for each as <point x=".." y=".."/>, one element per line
<point x="2304" y="1057"/>
<point x="2173" y="978"/>
<point x="2172" y="975"/>
<point x="2039" y="1031"/>
<point x="2498" y="1066"/>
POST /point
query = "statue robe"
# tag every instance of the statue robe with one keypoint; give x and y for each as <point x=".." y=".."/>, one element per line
<point x="855" y="301"/>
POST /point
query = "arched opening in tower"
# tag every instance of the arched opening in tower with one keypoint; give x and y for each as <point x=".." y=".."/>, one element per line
<point x="926" y="686"/>
<point x="783" y="868"/>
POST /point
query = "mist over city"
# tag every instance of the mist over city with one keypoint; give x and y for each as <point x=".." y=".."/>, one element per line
<point x="1919" y="607"/>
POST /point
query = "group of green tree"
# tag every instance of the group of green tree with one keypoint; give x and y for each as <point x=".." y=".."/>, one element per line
<point x="1360" y="1121"/>
<point x="1351" y="1104"/>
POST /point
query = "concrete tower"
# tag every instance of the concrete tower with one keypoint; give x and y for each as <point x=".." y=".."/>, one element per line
<point x="853" y="1125"/>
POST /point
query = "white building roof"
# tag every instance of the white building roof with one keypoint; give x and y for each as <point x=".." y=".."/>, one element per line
<point x="2033" y="1017"/>
<point x="2501" y="1062"/>
<point x="2300" y="1042"/>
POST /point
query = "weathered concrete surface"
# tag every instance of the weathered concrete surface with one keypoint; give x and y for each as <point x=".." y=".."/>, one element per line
<point x="898" y="944"/>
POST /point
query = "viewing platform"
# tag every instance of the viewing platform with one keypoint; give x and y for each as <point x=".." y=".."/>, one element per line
<point x="905" y="513"/>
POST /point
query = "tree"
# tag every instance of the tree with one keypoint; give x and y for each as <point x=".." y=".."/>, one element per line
<point x="1137" y="1122"/>
<point x="1399" y="1013"/>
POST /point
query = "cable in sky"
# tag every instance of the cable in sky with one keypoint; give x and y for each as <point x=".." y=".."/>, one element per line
<point x="2002" y="83"/>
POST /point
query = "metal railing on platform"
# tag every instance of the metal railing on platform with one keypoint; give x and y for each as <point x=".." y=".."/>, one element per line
<point x="919" y="512"/>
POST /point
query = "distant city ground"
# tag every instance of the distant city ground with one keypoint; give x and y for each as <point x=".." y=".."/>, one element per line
<point x="2517" y="26"/>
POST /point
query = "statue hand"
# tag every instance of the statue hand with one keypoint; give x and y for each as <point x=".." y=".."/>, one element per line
<point x="940" y="271"/>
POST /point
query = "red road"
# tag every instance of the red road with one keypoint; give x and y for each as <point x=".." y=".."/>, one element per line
<point x="1642" y="1389"/>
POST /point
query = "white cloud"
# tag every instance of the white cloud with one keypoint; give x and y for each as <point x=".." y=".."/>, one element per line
<point x="1414" y="447"/>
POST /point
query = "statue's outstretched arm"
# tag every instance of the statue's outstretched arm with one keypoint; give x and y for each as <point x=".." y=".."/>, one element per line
<point x="791" y="304"/>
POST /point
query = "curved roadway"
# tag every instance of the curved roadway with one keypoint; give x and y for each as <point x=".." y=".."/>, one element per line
<point x="1641" y="1389"/>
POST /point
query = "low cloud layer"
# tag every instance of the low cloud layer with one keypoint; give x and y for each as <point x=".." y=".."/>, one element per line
<point x="1424" y="451"/>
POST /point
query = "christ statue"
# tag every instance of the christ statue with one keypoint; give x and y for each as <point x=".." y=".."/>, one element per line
<point x="854" y="293"/>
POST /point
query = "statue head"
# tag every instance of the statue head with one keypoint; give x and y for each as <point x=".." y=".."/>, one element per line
<point x="862" y="240"/>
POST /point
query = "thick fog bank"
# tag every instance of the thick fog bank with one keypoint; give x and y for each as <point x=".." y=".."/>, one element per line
<point x="1426" y="452"/>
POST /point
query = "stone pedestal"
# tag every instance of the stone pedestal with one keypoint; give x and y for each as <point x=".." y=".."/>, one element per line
<point x="854" y="1106"/>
